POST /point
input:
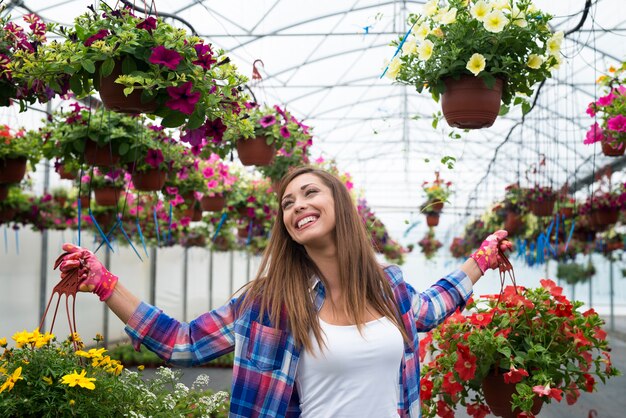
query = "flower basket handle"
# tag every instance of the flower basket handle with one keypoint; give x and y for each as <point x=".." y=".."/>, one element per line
<point x="505" y="269"/>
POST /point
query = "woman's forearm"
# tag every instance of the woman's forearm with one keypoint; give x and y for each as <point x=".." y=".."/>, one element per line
<point x="471" y="269"/>
<point x="123" y="303"/>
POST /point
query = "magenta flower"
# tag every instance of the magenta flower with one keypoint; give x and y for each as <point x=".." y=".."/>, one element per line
<point x="594" y="134"/>
<point x="154" y="158"/>
<point x="284" y="132"/>
<point x="251" y="105"/>
<point x="617" y="123"/>
<point x="208" y="172"/>
<point x="177" y="200"/>
<point x="591" y="110"/>
<point x="101" y="34"/>
<point x="606" y="100"/>
<point x="268" y="120"/>
<point x="148" y="24"/>
<point x="215" y="129"/>
<point x="182" y="99"/>
<point x="194" y="137"/>
<point x="205" y="56"/>
<point x="281" y="112"/>
<point x="171" y="190"/>
<point x="166" y="57"/>
<point x="212" y="184"/>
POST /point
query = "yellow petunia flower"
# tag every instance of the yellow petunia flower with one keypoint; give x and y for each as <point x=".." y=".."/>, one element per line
<point x="495" y="21"/>
<point x="476" y="64"/>
<point x="480" y="10"/>
<point x="534" y="61"/>
<point x="81" y="380"/>
<point x="394" y="68"/>
<point x="421" y="32"/>
<point x="430" y="8"/>
<point x="46" y="379"/>
<point x="553" y="46"/>
<point x="10" y="382"/>
<point x="409" y="47"/>
<point x="448" y="17"/>
<point x="425" y="50"/>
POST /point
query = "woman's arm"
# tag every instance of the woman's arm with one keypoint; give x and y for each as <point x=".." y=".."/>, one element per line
<point x="122" y="302"/>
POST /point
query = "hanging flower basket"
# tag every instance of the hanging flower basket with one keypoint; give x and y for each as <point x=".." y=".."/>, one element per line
<point x="100" y="156"/>
<point x="4" y="191"/>
<point x="194" y="213"/>
<point x="65" y="174"/>
<point x="255" y="151"/>
<point x="542" y="207"/>
<point x="604" y="217"/>
<point x="513" y="222"/>
<point x="566" y="212"/>
<point x="613" y="150"/>
<point x="468" y="103"/>
<point x="113" y="97"/>
<point x="12" y="170"/>
<point x="104" y="218"/>
<point x="242" y="232"/>
<point x="432" y="219"/>
<point x="498" y="396"/>
<point x="7" y="214"/>
<point x="85" y="201"/>
<point x="107" y="196"/>
<point x="151" y="180"/>
<point x="212" y="203"/>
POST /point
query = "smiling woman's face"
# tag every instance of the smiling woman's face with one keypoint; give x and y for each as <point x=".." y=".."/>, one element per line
<point x="309" y="211"/>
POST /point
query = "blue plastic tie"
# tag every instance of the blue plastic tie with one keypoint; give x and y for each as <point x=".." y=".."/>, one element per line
<point x="143" y="241"/>
<point x="129" y="240"/>
<point x="571" y="231"/>
<point x="117" y="224"/>
<point x="219" y="226"/>
<point x="250" y="226"/>
<point x="398" y="49"/>
<point x="102" y="234"/>
<point x="156" y="225"/>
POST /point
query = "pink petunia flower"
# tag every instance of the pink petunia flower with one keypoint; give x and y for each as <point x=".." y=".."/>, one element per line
<point x="617" y="123"/>
<point x="606" y="100"/>
<point x="215" y="129"/>
<point x="182" y="99"/>
<point x="268" y="120"/>
<point x="193" y="137"/>
<point x="149" y="24"/>
<point x="594" y="134"/>
<point x="154" y="158"/>
<point x="208" y="172"/>
<point x="284" y="132"/>
<point x="166" y="57"/>
<point x="205" y="56"/>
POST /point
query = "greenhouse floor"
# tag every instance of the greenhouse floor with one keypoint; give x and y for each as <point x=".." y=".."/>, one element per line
<point x="609" y="401"/>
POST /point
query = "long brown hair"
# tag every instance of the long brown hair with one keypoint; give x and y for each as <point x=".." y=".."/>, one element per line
<point x="283" y="280"/>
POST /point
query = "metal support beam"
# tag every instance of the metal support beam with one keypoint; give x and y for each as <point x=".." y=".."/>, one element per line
<point x="153" y="265"/>
<point x="614" y="166"/>
<point x="43" y="261"/>
<point x="185" y="281"/>
<point x="105" y="307"/>
<point x="211" y="279"/>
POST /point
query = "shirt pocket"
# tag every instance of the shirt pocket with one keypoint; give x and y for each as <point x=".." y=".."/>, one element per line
<point x="266" y="347"/>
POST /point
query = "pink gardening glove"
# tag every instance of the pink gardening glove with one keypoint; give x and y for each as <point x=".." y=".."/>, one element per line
<point x="487" y="256"/>
<point x="95" y="277"/>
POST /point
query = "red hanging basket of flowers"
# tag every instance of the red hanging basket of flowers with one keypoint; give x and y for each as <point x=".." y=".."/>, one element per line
<point x="213" y="203"/>
<point x="65" y="174"/>
<point x="513" y="222"/>
<point x="7" y="214"/>
<point x="543" y="207"/>
<point x="151" y="180"/>
<point x="255" y="151"/>
<point x="499" y="395"/>
<point x="12" y="170"/>
<point x="113" y="97"/>
<point x="468" y="103"/>
<point x="605" y="216"/>
<point x="107" y="196"/>
<point x="100" y="156"/>
<point x="613" y="150"/>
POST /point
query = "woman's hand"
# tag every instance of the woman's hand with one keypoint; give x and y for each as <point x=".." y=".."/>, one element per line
<point x="94" y="276"/>
<point x="488" y="255"/>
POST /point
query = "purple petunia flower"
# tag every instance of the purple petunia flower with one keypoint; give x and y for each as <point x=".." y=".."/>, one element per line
<point x="215" y="130"/>
<point x="193" y="137"/>
<point x="182" y="99"/>
<point x="101" y="34"/>
<point x="268" y="120"/>
<point x="166" y="57"/>
<point x="154" y="158"/>
<point x="148" y="24"/>
<point x="284" y="132"/>
<point x="205" y="56"/>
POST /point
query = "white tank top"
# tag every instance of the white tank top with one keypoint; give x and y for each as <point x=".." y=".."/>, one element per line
<point x="354" y="376"/>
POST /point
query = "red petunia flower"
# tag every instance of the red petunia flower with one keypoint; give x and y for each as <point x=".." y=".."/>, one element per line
<point x="149" y="24"/>
<point x="477" y="410"/>
<point x="514" y="375"/>
<point x="426" y="388"/>
<point x="101" y="34"/>
<point x="154" y="158"/>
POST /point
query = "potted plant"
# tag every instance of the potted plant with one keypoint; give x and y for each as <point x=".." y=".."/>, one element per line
<point x="108" y="186"/>
<point x="429" y="244"/>
<point x="16" y="149"/>
<point x="574" y="273"/>
<point x="185" y="187"/>
<point x="437" y="193"/>
<point x="604" y="207"/>
<point x="218" y="181"/>
<point x="459" y="248"/>
<point x="513" y="352"/>
<point x="540" y="200"/>
<point x="14" y="204"/>
<point x="490" y="51"/>
<point x="610" y="111"/>
<point x="88" y="382"/>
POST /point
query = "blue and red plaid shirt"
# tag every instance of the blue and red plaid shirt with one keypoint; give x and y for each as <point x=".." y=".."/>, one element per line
<point x="266" y="357"/>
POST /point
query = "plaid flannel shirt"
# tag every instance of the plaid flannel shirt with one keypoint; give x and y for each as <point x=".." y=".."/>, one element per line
<point x="266" y="358"/>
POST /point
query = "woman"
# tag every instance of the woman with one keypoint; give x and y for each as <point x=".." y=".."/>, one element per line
<point x="323" y="330"/>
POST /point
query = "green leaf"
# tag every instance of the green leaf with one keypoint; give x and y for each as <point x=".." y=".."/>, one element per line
<point x="525" y="107"/>
<point x="489" y="80"/>
<point x="123" y="148"/>
<point x="174" y="119"/>
<point x="128" y="90"/>
<point x="195" y="121"/>
<point x="89" y="66"/>
<point x="107" y="67"/>
<point x="503" y="110"/>
<point x="435" y="122"/>
<point x="128" y="65"/>
<point x="75" y="84"/>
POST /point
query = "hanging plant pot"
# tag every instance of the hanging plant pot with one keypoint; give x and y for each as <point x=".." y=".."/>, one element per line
<point x="468" y="103"/>
<point x="12" y="170"/>
<point x="85" y="201"/>
<point x="194" y="213"/>
<point x="513" y="222"/>
<point x="104" y="219"/>
<point x="255" y="151"/>
<point x="604" y="217"/>
<point x="242" y="232"/>
<point x="100" y="156"/>
<point x="498" y="396"/>
<point x="61" y="200"/>
<point x="566" y="212"/>
<point x="195" y="241"/>
<point x="543" y="207"/>
<point x="4" y="191"/>
<point x="107" y="196"/>
<point x="213" y="203"/>
<point x="113" y="97"/>
<point x="7" y="214"/>
<point x="152" y="180"/>
<point x="65" y="174"/>
<point x="432" y="219"/>
<point x="613" y="150"/>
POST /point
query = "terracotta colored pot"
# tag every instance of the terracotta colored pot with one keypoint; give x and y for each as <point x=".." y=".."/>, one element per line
<point x="100" y="156"/>
<point x="194" y="213"/>
<point x="567" y="212"/>
<point x="243" y="211"/>
<point x="221" y="244"/>
<point x="435" y="206"/>
<point x="498" y="397"/>
<point x="7" y="214"/>
<point x="104" y="219"/>
<point x="432" y="219"/>
<point x="242" y="232"/>
<point x="4" y="191"/>
<point x="542" y="207"/>
<point x="198" y="241"/>
<point x="12" y="170"/>
<point x="604" y="217"/>
<point x="150" y="181"/>
<point x="468" y="103"/>
<point x="113" y="98"/>
<point x="64" y="174"/>
<point x="212" y="203"/>
<point x="61" y="200"/>
<point x="84" y="202"/>
<point x="512" y="222"/>
<point x="613" y="151"/>
<point x="255" y="151"/>
<point x="107" y="196"/>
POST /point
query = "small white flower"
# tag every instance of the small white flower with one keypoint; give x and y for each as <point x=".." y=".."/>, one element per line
<point x="421" y="32"/>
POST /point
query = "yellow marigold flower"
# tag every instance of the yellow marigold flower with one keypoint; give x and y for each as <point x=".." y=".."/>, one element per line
<point x="430" y="8"/>
<point x="3" y="370"/>
<point x="421" y="32"/>
<point x="480" y="10"/>
<point x="448" y="17"/>
<point x="99" y="337"/>
<point x="81" y="380"/>
<point x="409" y="47"/>
<point x="394" y="68"/>
<point x="46" y="379"/>
<point x="10" y="382"/>
<point x="495" y="21"/>
<point x="534" y="61"/>
<point x="3" y="342"/>
<point x="425" y="50"/>
<point x="21" y="338"/>
<point x="476" y="64"/>
<point x="141" y="367"/>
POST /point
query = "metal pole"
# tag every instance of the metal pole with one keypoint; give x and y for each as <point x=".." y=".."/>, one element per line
<point x="105" y="317"/>
<point x="247" y="267"/>
<point x="590" y="287"/>
<point x="211" y="279"/>
<point x="153" y="262"/>
<point x="185" y="281"/>
<point x="611" y="293"/>
<point x="43" y="261"/>
<point x="231" y="283"/>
